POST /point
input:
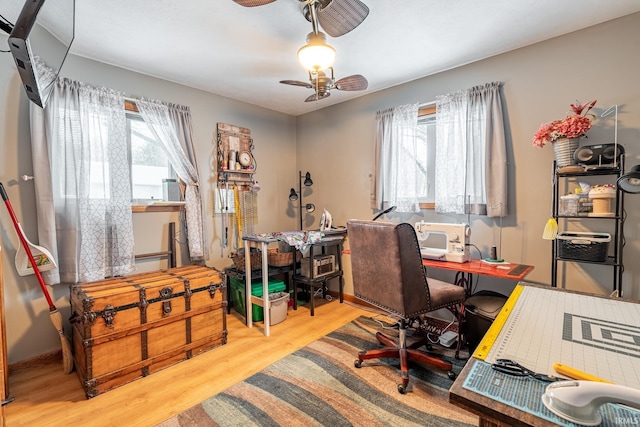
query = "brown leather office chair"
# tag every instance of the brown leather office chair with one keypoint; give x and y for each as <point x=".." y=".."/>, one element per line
<point x="388" y="273"/>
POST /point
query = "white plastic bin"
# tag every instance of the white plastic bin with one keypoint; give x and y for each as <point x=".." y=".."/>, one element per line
<point x="279" y="306"/>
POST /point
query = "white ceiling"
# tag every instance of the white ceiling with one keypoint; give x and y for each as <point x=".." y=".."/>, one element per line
<point x="242" y="53"/>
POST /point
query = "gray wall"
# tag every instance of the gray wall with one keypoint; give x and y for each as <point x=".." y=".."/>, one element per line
<point x="30" y="332"/>
<point x="335" y="145"/>
<point x="540" y="81"/>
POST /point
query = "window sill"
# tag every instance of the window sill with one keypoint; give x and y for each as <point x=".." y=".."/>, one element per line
<point x="427" y="205"/>
<point x="164" y="207"/>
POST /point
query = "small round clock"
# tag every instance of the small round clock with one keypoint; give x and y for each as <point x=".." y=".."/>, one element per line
<point x="245" y="159"/>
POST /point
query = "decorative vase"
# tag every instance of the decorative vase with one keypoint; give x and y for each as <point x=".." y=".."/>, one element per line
<point x="563" y="149"/>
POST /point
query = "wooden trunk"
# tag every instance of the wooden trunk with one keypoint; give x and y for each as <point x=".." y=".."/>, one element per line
<point x="129" y="327"/>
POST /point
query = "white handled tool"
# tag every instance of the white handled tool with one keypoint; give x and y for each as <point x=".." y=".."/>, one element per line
<point x="579" y="401"/>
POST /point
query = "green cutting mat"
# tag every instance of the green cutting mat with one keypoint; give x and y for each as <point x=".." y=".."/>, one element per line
<point x="525" y="393"/>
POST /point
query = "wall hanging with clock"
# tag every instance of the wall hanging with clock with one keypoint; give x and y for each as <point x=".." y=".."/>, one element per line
<point x="235" y="196"/>
<point x="235" y="160"/>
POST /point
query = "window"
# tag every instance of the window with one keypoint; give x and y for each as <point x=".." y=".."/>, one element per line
<point x="471" y="171"/>
<point x="426" y="138"/>
<point x="98" y="175"/>
<point x="426" y="158"/>
<point x="404" y="158"/>
<point x="149" y="161"/>
<point x="468" y="171"/>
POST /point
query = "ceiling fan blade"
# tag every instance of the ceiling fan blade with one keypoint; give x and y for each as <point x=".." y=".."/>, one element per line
<point x="355" y="82"/>
<point x="317" y="97"/>
<point x="253" y="3"/>
<point x="341" y="16"/>
<point x="297" y="83"/>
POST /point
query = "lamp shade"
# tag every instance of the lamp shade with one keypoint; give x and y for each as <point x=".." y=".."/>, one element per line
<point x="630" y="182"/>
<point x="310" y="207"/>
<point x="316" y="55"/>
<point x="293" y="195"/>
<point x="307" y="180"/>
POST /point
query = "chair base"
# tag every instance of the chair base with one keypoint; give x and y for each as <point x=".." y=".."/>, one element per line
<point x="406" y="353"/>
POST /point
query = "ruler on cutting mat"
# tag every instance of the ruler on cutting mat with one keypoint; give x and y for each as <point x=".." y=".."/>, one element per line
<point x="490" y="337"/>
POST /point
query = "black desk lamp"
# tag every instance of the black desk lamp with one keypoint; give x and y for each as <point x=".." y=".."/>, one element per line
<point x="293" y="195"/>
<point x="384" y="212"/>
<point x="630" y="182"/>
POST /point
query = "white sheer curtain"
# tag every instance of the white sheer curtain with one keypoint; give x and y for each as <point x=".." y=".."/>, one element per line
<point x="171" y="125"/>
<point x="471" y="164"/>
<point x="82" y="182"/>
<point x="395" y="159"/>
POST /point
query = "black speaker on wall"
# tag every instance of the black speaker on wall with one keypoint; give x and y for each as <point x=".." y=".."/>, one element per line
<point x="601" y="155"/>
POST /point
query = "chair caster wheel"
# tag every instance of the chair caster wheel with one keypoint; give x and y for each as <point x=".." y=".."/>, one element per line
<point x="401" y="389"/>
<point x="452" y="375"/>
<point x="357" y="363"/>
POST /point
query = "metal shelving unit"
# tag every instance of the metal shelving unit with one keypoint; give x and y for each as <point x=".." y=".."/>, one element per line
<point x="311" y="282"/>
<point x="614" y="257"/>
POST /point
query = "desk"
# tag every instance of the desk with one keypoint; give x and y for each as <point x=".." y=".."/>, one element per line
<point x="263" y="243"/>
<point x="563" y="326"/>
<point x="466" y="270"/>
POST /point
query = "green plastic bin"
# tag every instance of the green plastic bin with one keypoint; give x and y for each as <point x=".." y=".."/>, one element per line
<point x="238" y="297"/>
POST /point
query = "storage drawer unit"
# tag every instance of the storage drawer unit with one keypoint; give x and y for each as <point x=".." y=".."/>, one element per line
<point x="129" y="327"/>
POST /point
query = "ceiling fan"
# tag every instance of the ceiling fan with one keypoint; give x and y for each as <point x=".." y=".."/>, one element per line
<point x="322" y="84"/>
<point x="336" y="17"/>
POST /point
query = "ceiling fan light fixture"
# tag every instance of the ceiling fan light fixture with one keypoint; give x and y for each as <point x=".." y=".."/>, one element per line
<point x="316" y="55"/>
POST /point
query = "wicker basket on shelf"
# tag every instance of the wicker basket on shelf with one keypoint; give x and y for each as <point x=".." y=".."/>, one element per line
<point x="279" y="259"/>
<point x="238" y="259"/>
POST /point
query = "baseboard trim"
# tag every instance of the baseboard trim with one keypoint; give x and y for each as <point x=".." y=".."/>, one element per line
<point x="352" y="299"/>
<point x="43" y="359"/>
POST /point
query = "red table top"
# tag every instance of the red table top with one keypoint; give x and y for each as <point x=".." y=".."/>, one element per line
<point x="476" y="266"/>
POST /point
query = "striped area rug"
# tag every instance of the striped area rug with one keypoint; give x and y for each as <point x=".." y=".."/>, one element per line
<point x="319" y="386"/>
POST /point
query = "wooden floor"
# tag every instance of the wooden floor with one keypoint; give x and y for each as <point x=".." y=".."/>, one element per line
<point x="45" y="396"/>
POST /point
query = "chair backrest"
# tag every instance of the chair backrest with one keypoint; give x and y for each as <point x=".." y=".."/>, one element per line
<point x="387" y="267"/>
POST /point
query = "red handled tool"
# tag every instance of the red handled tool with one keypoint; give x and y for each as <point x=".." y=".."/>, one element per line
<point x="54" y="314"/>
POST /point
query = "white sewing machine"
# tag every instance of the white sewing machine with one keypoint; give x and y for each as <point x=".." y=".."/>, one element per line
<point x="444" y="242"/>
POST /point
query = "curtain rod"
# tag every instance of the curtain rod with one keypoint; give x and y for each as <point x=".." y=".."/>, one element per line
<point x="168" y="104"/>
